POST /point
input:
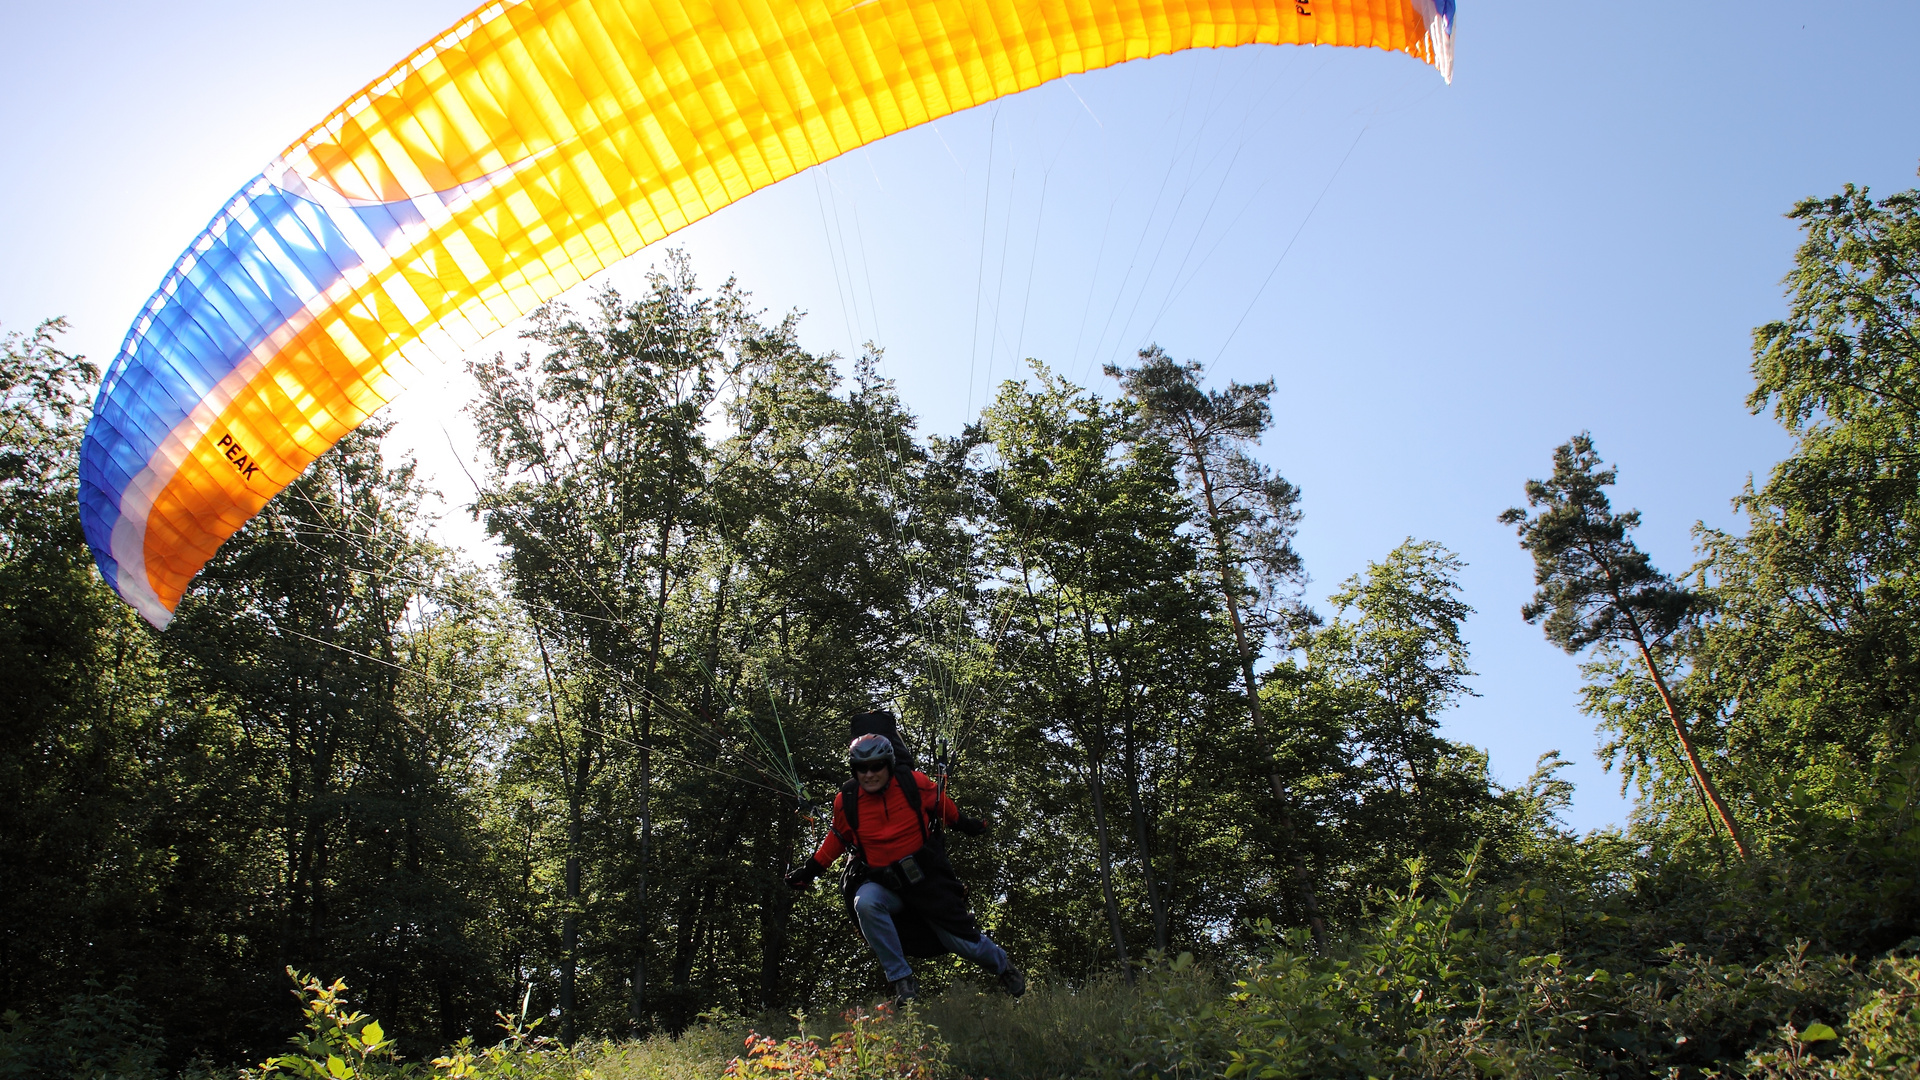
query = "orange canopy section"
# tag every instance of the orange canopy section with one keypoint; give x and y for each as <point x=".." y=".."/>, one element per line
<point x="527" y="148"/>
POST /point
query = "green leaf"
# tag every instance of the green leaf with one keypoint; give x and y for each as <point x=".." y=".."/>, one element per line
<point x="337" y="1068"/>
<point x="371" y="1034"/>
<point x="1818" y="1033"/>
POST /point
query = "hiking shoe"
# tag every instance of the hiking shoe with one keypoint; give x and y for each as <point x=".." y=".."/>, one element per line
<point x="905" y="990"/>
<point x="1012" y="981"/>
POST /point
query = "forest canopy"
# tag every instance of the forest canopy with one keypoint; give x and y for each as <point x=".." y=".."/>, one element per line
<point x="567" y="783"/>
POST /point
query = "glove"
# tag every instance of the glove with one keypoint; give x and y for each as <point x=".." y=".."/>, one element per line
<point x="972" y="826"/>
<point x="802" y="876"/>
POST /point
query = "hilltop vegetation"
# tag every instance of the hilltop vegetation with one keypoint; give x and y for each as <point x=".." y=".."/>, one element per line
<point x="1229" y="837"/>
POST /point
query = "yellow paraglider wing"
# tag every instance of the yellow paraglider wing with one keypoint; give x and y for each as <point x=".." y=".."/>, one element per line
<point x="527" y="148"/>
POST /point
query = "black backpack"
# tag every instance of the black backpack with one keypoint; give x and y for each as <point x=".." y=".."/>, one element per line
<point x="882" y="722"/>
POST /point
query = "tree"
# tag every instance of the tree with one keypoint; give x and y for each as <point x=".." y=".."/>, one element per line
<point x="1819" y="620"/>
<point x="1361" y="700"/>
<point x="599" y="465"/>
<point x="1810" y="659"/>
<point x="354" y="676"/>
<point x="73" y="689"/>
<point x="1089" y="532"/>
<point x="1247" y="514"/>
<point x="1597" y="588"/>
<point x="833" y="541"/>
<point x="1403" y="643"/>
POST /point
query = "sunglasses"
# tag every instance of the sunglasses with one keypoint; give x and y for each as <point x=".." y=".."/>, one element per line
<point x="872" y="766"/>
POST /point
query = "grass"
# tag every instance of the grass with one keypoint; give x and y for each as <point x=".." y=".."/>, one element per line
<point x="1448" y="982"/>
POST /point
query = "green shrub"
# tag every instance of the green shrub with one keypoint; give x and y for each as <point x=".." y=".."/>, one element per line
<point x="701" y="1052"/>
<point x="1880" y="1039"/>
<point x="336" y="1043"/>
<point x="98" y="1034"/>
<point x="1451" y="980"/>
<point x="1160" y="1028"/>
<point x="1448" y="981"/>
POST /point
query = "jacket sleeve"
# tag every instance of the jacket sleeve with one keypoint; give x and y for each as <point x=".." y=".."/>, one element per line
<point x="830" y="846"/>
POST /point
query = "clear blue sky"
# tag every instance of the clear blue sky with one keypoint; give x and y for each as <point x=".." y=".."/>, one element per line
<point x="1579" y="233"/>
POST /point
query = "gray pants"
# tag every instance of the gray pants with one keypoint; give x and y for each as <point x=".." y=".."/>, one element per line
<point x="875" y="905"/>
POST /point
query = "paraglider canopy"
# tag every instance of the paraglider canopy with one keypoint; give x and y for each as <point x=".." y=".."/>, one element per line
<point x="529" y="147"/>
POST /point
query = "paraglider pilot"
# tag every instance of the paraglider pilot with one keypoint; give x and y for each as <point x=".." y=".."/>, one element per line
<point x="899" y="885"/>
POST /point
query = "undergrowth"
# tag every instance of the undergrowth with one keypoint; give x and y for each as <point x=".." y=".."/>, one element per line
<point x="1450" y="980"/>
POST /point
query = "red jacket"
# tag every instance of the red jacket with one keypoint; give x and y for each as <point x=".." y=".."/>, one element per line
<point x="888" y="832"/>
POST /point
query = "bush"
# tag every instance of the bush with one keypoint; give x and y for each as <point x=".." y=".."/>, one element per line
<point x="1052" y="1031"/>
<point x="880" y="1044"/>
<point x="1881" y="1036"/>
<point x="98" y="1034"/>
<point x="336" y="1043"/>
<point x="701" y="1052"/>
<point x="1448" y="981"/>
<point x="1451" y="980"/>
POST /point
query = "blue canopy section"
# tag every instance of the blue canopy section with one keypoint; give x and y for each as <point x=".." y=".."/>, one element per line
<point x="255" y="268"/>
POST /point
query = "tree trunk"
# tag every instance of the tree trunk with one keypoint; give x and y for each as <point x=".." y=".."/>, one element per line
<point x="317" y="854"/>
<point x="776" y="913"/>
<point x="1136" y="806"/>
<point x="1707" y="790"/>
<point x="570" y="921"/>
<point x="1096" y="751"/>
<point x="1309" y="902"/>
<point x="685" y="925"/>
<point x="1138" y="809"/>
<point x="637" y="998"/>
<point x="295" y="841"/>
<point x="637" y="1006"/>
<point x="693" y="933"/>
<point x="1097" y="787"/>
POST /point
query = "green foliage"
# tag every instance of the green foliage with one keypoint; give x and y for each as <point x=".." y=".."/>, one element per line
<point x="1808" y="670"/>
<point x="98" y="1034"/>
<point x="1448" y="979"/>
<point x="1118" y="657"/>
<point x="1361" y="703"/>
<point x="701" y="1052"/>
<point x="1598" y="588"/>
<point x="1174" y="1027"/>
<point x="571" y="781"/>
<point x="1242" y="515"/>
<point x="1880" y="1037"/>
<point x="1054" y="1030"/>
<point x="337" y="1043"/>
<point x="1596" y="585"/>
<point x="1247" y="512"/>
<point x="520" y="1055"/>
